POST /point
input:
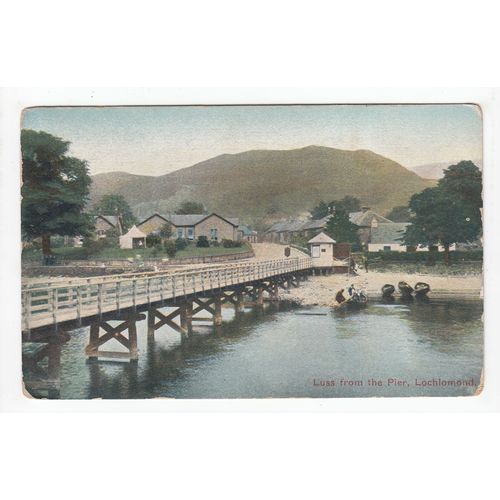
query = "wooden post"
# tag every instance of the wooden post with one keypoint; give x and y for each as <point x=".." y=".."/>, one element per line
<point x="238" y="306"/>
<point x="132" y="338"/>
<point x="151" y="323"/>
<point x="218" y="310"/>
<point x="260" y="296"/>
<point x="189" y="316"/>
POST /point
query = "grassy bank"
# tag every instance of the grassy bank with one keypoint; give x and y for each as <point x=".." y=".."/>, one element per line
<point x="79" y="253"/>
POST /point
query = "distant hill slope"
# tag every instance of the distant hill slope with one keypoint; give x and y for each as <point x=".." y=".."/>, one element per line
<point x="268" y="184"/>
<point x="435" y="170"/>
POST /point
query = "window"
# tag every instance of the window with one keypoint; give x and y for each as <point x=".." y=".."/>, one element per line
<point x="315" y="251"/>
<point x="190" y="232"/>
<point x="180" y="232"/>
<point x="387" y="248"/>
<point x="214" y="234"/>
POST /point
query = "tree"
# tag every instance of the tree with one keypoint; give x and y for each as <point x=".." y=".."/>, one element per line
<point x="342" y="230"/>
<point x="347" y="204"/>
<point x="440" y="218"/>
<point x="115" y="204"/>
<point x="190" y="207"/>
<point x="464" y="180"/>
<point x="320" y="210"/>
<point x="55" y="189"/>
<point x="399" y="214"/>
<point x="165" y="231"/>
<point x="449" y="213"/>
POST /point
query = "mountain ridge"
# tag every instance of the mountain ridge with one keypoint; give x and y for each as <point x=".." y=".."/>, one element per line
<point x="263" y="185"/>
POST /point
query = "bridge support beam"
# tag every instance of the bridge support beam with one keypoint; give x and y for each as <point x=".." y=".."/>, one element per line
<point x="127" y="324"/>
<point x="35" y="376"/>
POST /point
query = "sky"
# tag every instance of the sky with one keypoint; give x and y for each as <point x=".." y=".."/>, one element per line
<point x="155" y="140"/>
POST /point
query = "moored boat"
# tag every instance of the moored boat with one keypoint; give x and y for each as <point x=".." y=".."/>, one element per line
<point x="422" y="289"/>
<point x="388" y="290"/>
<point x="405" y="289"/>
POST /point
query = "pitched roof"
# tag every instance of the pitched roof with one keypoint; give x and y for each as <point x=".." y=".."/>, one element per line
<point x="246" y="230"/>
<point x="364" y="218"/>
<point x="134" y="232"/>
<point x="111" y="219"/>
<point x="298" y="225"/>
<point x="388" y="232"/>
<point x="321" y="238"/>
<point x="190" y="219"/>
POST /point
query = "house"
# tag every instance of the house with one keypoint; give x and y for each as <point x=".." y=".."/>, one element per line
<point x="134" y="238"/>
<point x="246" y="234"/>
<point x="365" y="220"/>
<point x="192" y="226"/>
<point x="284" y="231"/>
<point x="321" y="247"/>
<point x="105" y="223"/>
<point x="386" y="236"/>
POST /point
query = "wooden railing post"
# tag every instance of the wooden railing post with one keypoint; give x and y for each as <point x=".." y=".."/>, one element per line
<point x="100" y="298"/>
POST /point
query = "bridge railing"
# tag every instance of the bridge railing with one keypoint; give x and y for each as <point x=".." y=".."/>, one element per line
<point x="52" y="303"/>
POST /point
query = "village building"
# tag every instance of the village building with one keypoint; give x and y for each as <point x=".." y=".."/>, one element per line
<point x="365" y="220"/>
<point x="321" y="247"/>
<point x="105" y="223"/>
<point x="387" y="236"/>
<point x="192" y="226"/>
<point x="134" y="238"/>
<point x="246" y="234"/>
<point x="285" y="231"/>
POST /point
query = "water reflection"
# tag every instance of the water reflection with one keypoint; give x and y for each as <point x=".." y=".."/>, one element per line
<point x="274" y="352"/>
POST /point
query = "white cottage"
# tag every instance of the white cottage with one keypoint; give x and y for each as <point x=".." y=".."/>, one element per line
<point x="135" y="238"/>
<point x="321" y="247"/>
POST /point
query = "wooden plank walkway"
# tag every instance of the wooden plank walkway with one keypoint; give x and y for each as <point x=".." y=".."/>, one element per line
<point x="51" y="302"/>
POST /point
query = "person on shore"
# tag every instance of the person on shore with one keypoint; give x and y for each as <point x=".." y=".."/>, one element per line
<point x="365" y="263"/>
<point x="340" y="296"/>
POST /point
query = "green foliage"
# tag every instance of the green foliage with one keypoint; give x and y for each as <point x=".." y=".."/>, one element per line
<point x="153" y="240"/>
<point x="112" y="239"/>
<point x="190" y="207"/>
<point x="464" y="180"/>
<point x="424" y="257"/>
<point x="115" y="204"/>
<point x="165" y="231"/>
<point x="231" y="243"/>
<point x="450" y="212"/>
<point x="170" y="248"/>
<point x="55" y="189"/>
<point x="342" y="230"/>
<point x="181" y="243"/>
<point x="399" y="214"/>
<point x="347" y="204"/>
<point x="202" y="242"/>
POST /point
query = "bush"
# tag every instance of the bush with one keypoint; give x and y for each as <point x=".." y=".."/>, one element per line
<point x="181" y="244"/>
<point x="231" y="243"/>
<point x="215" y="243"/>
<point x="153" y="240"/>
<point x="202" y="242"/>
<point x="170" y="248"/>
<point x="425" y="257"/>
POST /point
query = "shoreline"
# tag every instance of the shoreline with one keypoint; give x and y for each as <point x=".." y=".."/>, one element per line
<point x="321" y="290"/>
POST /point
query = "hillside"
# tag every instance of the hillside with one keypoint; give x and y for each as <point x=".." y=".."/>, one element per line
<point x="269" y="184"/>
<point x="435" y="170"/>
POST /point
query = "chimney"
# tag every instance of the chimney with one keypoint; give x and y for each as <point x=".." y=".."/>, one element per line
<point x="374" y="222"/>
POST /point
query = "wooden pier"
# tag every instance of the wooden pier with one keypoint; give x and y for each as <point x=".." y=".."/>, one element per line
<point x="197" y="295"/>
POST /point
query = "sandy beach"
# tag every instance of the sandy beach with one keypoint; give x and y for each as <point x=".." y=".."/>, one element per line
<point x="321" y="290"/>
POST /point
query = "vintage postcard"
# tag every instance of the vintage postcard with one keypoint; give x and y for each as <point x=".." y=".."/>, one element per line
<point x="252" y="251"/>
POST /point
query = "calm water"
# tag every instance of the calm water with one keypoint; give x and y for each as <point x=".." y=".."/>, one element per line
<point x="293" y="353"/>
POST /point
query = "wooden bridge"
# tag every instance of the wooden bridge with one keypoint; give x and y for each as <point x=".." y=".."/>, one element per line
<point x="56" y="306"/>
